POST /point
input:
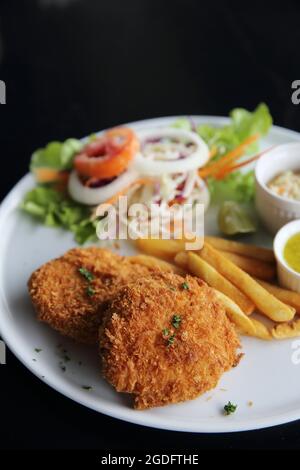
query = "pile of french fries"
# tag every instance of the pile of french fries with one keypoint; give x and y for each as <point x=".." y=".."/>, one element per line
<point x="243" y="278"/>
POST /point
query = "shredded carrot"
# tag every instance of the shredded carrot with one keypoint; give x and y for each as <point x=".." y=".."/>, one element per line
<point x="225" y="171"/>
<point x="50" y="175"/>
<point x="227" y="159"/>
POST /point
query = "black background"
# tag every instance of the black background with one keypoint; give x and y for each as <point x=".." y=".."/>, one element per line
<point x="76" y="66"/>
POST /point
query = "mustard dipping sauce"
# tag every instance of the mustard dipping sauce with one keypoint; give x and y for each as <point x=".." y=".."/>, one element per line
<point x="291" y="252"/>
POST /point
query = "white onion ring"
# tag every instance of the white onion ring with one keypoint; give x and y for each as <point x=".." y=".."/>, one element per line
<point x="152" y="167"/>
<point x="95" y="196"/>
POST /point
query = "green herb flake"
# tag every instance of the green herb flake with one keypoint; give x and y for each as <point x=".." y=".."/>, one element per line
<point x="185" y="286"/>
<point x="90" y="291"/>
<point x="38" y="350"/>
<point x="171" y="340"/>
<point x="165" y="332"/>
<point x="86" y="387"/>
<point x="86" y="274"/>
<point x="229" y="408"/>
<point x="176" y="321"/>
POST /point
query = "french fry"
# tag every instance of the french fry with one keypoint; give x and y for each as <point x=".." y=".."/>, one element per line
<point x="251" y="251"/>
<point x="289" y="297"/>
<point x="153" y="262"/>
<point x="165" y="249"/>
<point x="235" y="314"/>
<point x="261" y="331"/>
<point x="213" y="278"/>
<point x="254" y="267"/>
<point x="264" y="301"/>
<point x="182" y="260"/>
<point x="286" y="330"/>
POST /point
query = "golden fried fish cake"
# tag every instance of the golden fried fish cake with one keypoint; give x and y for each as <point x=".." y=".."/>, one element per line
<point x="166" y="339"/>
<point x="68" y="302"/>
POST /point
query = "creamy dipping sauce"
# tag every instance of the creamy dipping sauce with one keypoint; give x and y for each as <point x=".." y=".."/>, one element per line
<point x="291" y="252"/>
<point x="286" y="184"/>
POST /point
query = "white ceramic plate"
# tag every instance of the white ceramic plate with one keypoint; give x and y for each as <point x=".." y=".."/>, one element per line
<point x="266" y="376"/>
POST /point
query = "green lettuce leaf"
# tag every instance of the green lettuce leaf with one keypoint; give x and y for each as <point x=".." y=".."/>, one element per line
<point x="246" y="123"/>
<point x="243" y="124"/>
<point x="236" y="186"/>
<point x="57" y="155"/>
<point x="54" y="209"/>
<point x="85" y="231"/>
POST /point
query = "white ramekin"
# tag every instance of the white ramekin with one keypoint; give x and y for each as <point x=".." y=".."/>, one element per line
<point x="275" y="211"/>
<point x="287" y="277"/>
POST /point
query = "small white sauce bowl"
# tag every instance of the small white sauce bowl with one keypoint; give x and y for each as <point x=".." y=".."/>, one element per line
<point x="275" y="211"/>
<point x="287" y="277"/>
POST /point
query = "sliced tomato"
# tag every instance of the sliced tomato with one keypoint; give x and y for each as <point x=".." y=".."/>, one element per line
<point x="109" y="155"/>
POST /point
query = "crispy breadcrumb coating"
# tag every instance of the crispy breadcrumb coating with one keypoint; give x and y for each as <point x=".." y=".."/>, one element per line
<point x="64" y="299"/>
<point x="160" y="358"/>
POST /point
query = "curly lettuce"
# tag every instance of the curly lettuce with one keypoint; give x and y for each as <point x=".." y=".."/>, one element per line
<point x="236" y="186"/>
<point x="56" y="155"/>
<point x="243" y="124"/>
<point x="54" y="209"/>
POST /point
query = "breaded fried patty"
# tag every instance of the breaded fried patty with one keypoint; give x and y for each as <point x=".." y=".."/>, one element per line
<point x="166" y="339"/>
<point x="71" y="304"/>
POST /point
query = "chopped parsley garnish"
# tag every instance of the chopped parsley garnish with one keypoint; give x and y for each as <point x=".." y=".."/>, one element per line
<point x="165" y="332"/>
<point x="64" y="358"/>
<point x="171" y="340"/>
<point x="185" y="286"/>
<point x="38" y="350"/>
<point x="90" y="291"/>
<point x="173" y="288"/>
<point x="86" y="387"/>
<point x="229" y="408"/>
<point x="86" y="274"/>
<point x="176" y="321"/>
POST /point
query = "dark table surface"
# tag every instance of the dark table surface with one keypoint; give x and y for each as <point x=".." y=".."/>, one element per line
<point x="72" y="67"/>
